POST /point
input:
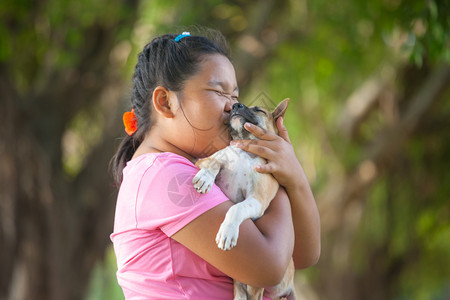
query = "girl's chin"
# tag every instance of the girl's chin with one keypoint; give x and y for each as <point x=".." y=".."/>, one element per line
<point x="215" y="142"/>
<point x="213" y="147"/>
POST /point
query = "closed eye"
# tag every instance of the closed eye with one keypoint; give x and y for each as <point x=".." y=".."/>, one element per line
<point x="257" y="109"/>
<point x="219" y="93"/>
<point x="223" y="94"/>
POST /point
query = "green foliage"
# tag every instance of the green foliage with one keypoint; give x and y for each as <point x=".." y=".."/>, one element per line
<point x="429" y="23"/>
<point x="50" y="35"/>
<point x="407" y="217"/>
<point x="81" y="136"/>
<point x="103" y="283"/>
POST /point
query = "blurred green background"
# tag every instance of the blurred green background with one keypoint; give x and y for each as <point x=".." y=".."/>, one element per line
<point x="369" y="83"/>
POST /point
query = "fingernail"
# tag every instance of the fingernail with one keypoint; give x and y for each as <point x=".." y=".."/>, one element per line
<point x="236" y="144"/>
<point x="248" y="125"/>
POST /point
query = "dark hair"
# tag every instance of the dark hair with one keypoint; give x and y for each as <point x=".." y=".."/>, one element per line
<point x="168" y="63"/>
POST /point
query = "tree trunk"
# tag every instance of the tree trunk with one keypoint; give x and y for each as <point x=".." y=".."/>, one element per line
<point x="54" y="228"/>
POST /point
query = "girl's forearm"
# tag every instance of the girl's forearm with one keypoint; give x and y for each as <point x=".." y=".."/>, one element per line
<point x="277" y="227"/>
<point x="306" y="222"/>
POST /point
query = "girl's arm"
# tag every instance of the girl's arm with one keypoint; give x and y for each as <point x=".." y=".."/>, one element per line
<point x="285" y="167"/>
<point x="264" y="247"/>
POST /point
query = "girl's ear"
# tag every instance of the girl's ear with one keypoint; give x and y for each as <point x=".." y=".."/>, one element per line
<point x="280" y="109"/>
<point x="161" y="101"/>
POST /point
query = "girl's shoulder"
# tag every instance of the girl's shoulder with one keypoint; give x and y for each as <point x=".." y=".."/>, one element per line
<point x="164" y="158"/>
<point x="159" y="163"/>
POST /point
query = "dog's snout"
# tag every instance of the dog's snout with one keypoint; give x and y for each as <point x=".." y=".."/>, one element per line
<point x="238" y="106"/>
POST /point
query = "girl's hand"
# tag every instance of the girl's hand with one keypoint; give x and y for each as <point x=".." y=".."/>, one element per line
<point x="279" y="153"/>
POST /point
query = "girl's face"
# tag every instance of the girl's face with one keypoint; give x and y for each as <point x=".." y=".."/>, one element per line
<point x="201" y="122"/>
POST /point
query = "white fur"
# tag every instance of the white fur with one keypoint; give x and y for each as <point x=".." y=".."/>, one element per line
<point x="237" y="178"/>
<point x="229" y="229"/>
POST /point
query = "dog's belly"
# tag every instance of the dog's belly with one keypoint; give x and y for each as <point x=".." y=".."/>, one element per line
<point x="236" y="179"/>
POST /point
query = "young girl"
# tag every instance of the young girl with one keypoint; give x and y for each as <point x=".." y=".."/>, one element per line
<point x="164" y="231"/>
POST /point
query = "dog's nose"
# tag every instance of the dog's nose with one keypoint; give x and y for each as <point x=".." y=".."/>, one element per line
<point x="238" y="106"/>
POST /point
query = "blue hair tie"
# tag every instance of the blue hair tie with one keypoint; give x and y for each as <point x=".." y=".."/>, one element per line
<point x="184" y="34"/>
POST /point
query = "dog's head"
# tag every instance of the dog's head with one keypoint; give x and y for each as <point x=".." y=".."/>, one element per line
<point x="240" y="114"/>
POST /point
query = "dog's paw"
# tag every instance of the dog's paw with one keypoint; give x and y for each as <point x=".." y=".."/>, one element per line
<point x="203" y="181"/>
<point x="227" y="236"/>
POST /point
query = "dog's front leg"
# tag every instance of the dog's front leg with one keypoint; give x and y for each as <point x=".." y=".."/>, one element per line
<point x="209" y="168"/>
<point x="255" y="293"/>
<point x="247" y="292"/>
<point x="240" y="290"/>
<point x="228" y="233"/>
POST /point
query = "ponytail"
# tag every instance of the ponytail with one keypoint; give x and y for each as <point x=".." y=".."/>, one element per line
<point x="126" y="150"/>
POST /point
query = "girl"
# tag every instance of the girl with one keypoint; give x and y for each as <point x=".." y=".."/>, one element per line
<point x="164" y="231"/>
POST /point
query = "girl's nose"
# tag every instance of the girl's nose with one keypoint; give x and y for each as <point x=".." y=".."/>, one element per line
<point x="228" y="106"/>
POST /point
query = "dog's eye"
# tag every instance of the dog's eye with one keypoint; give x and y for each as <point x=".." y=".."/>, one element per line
<point x="257" y="109"/>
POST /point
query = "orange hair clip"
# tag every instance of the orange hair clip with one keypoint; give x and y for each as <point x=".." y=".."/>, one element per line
<point x="130" y="122"/>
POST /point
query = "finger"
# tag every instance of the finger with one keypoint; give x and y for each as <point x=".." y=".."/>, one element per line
<point x="259" y="132"/>
<point x="271" y="144"/>
<point x="253" y="146"/>
<point x="265" y="169"/>
<point x="282" y="130"/>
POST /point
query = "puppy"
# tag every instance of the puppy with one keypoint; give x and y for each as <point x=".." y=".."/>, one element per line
<point x="233" y="171"/>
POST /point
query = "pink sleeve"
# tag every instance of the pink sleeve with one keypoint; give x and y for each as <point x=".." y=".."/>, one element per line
<point x="167" y="199"/>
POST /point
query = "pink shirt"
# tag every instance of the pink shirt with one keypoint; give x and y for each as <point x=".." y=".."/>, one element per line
<point x="156" y="199"/>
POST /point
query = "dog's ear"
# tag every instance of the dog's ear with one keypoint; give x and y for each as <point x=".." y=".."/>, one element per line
<point x="280" y="109"/>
